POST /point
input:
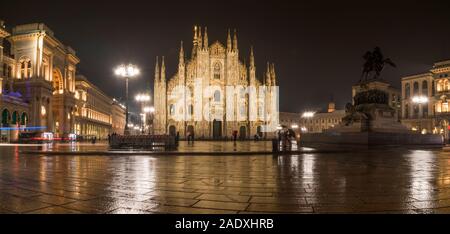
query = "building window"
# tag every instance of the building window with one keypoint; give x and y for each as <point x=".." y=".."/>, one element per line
<point x="172" y="109"/>
<point x="416" y="111"/>
<point x="425" y="110"/>
<point x="407" y="91"/>
<point x="442" y="85"/>
<point x="416" y="88"/>
<point x="217" y="96"/>
<point x="217" y="71"/>
<point x="425" y="88"/>
<point x="445" y="107"/>
<point x="25" y="68"/>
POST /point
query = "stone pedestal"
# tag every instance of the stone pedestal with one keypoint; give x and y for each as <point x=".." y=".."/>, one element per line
<point x="372" y="122"/>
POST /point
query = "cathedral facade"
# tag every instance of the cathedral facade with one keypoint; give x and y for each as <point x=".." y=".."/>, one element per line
<point x="214" y="94"/>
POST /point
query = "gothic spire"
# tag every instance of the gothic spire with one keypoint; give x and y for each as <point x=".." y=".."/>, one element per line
<point x="157" y="70"/>
<point x="252" y="57"/>
<point x="181" y="56"/>
<point x="199" y="38"/>
<point x="273" y="74"/>
<point x="163" y="70"/>
<point x="195" y="42"/>
<point x="268" y="79"/>
<point x="235" y="43"/>
<point x="205" y="40"/>
<point x="229" y="41"/>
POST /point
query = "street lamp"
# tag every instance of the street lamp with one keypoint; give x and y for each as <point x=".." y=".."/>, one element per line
<point x="420" y="99"/>
<point x="308" y="114"/>
<point x="142" y="97"/>
<point x="149" y="109"/>
<point x="127" y="72"/>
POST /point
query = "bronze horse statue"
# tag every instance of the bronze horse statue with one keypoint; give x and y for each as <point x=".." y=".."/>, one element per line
<point x="374" y="63"/>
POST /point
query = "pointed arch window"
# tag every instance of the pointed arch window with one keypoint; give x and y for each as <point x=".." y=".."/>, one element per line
<point x="217" y="71"/>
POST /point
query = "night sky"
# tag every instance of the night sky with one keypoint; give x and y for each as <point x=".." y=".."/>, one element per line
<point x="316" y="45"/>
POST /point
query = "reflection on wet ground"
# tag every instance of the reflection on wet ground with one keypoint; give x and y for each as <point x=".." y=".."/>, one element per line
<point x="184" y="146"/>
<point x="390" y="180"/>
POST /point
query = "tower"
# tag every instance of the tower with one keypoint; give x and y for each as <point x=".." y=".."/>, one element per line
<point x="163" y="96"/>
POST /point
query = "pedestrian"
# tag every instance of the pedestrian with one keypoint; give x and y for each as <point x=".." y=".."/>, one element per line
<point x="234" y="136"/>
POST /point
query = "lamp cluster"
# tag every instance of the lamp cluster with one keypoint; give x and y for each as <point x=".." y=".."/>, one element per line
<point x="129" y="70"/>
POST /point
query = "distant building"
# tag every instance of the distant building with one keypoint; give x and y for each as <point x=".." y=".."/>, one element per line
<point x="39" y="88"/>
<point x="317" y="122"/>
<point x="425" y="100"/>
<point x="96" y="114"/>
<point x="290" y="119"/>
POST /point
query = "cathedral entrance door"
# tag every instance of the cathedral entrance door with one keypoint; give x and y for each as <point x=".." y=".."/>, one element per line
<point x="217" y="129"/>
<point x="190" y="129"/>
<point x="259" y="131"/>
<point x="172" y="130"/>
<point x="242" y="133"/>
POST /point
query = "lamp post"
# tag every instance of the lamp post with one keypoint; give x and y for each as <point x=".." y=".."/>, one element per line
<point x="419" y="100"/>
<point x="127" y="72"/>
<point x="143" y="98"/>
<point x="150" y="110"/>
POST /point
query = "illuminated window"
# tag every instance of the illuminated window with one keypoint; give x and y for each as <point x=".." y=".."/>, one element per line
<point x="217" y="71"/>
<point x="217" y="96"/>
<point x="172" y="109"/>
<point x="22" y="69"/>
<point x="43" y="111"/>
<point x="445" y="107"/>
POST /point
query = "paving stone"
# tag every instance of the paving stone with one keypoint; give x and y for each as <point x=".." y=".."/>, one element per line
<point x="191" y="210"/>
<point x="279" y="208"/>
<point x="221" y="205"/>
<point x="387" y="180"/>
<point x="55" y="210"/>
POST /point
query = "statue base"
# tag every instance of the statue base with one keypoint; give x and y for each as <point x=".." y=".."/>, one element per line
<point x="371" y="124"/>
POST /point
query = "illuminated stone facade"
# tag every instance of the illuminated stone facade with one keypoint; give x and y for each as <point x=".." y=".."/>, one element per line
<point x="321" y="121"/>
<point x="216" y="66"/>
<point x="38" y="83"/>
<point x="96" y="114"/>
<point x="425" y="100"/>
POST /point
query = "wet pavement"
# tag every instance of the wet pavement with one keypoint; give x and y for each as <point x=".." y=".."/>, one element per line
<point x="184" y="146"/>
<point x="390" y="180"/>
